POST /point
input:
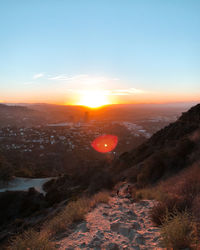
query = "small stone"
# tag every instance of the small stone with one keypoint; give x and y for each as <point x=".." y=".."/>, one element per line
<point x="135" y="247"/>
<point x="112" y="246"/>
<point x="83" y="245"/>
<point x="131" y="213"/>
<point x="156" y="239"/>
<point x="95" y="242"/>
<point x="124" y="231"/>
<point x="57" y="245"/>
<point x="115" y="227"/>
<point x="140" y="240"/>
<point x="100" y="234"/>
<point x="82" y="227"/>
<point x="136" y="226"/>
<point x="153" y="229"/>
<point x="127" y="232"/>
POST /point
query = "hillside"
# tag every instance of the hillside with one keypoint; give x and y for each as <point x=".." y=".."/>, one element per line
<point x="168" y="151"/>
<point x="13" y="115"/>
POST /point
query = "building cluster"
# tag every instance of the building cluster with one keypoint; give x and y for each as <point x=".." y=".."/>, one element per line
<point x="69" y="135"/>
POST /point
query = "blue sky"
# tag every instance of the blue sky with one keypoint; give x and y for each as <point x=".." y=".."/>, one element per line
<point x="133" y="49"/>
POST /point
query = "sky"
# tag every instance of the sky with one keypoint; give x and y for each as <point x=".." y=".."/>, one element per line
<point x="126" y="51"/>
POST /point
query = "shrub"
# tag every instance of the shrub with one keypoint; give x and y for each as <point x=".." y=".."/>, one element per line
<point x="196" y="208"/>
<point x="31" y="240"/>
<point x="158" y="213"/>
<point x="101" y="197"/>
<point x="160" y="210"/>
<point x="178" y="231"/>
<point x="149" y="193"/>
<point x="6" y="171"/>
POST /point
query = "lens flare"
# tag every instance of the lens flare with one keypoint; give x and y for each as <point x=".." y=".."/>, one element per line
<point x="105" y="143"/>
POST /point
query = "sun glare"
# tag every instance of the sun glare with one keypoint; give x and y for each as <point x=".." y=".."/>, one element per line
<point x="93" y="99"/>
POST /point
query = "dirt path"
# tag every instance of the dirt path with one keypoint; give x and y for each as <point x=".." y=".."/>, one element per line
<point x="120" y="224"/>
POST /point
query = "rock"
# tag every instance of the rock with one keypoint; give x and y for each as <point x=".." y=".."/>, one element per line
<point x="136" y="247"/>
<point x="127" y="232"/>
<point x="136" y="226"/>
<point x="144" y="203"/>
<point x="153" y="230"/>
<point x="131" y="213"/>
<point x="95" y="242"/>
<point x="105" y="206"/>
<point x="115" y="226"/>
<point x="140" y="240"/>
<point x="82" y="227"/>
<point x="112" y="246"/>
<point x="57" y="245"/>
<point x="82" y="245"/>
<point x="100" y="234"/>
<point x="155" y="239"/>
<point x="142" y="214"/>
<point x="124" y="231"/>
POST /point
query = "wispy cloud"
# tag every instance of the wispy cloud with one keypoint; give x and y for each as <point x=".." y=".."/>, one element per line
<point x="82" y="79"/>
<point x="129" y="91"/>
<point x="116" y="92"/>
<point x="39" y="75"/>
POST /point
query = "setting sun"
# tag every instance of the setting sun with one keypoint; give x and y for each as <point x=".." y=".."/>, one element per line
<point x="93" y="99"/>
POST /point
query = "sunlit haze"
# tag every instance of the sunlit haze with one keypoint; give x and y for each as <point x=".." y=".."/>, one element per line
<point x="93" y="99"/>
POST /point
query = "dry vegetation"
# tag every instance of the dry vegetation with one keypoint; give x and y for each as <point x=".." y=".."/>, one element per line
<point x="178" y="231"/>
<point x="31" y="240"/>
<point x="178" y="201"/>
<point x="73" y="212"/>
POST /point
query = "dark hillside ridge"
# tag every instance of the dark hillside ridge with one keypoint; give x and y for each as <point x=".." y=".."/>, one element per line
<point x="20" y="116"/>
<point x="165" y="153"/>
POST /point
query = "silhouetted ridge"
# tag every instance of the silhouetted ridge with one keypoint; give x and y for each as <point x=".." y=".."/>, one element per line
<point x="193" y="115"/>
<point x="186" y="124"/>
<point x="166" y="152"/>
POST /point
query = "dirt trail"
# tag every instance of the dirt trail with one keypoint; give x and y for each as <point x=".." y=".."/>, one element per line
<point x="120" y="224"/>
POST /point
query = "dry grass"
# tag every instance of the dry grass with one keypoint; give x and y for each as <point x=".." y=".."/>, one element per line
<point x="150" y="193"/>
<point x="31" y="240"/>
<point x="101" y="197"/>
<point x="73" y="212"/>
<point x="178" y="231"/>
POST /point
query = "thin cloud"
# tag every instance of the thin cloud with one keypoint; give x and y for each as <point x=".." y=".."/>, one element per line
<point x="129" y="91"/>
<point x="83" y="79"/>
<point x="37" y="76"/>
<point x="116" y="92"/>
